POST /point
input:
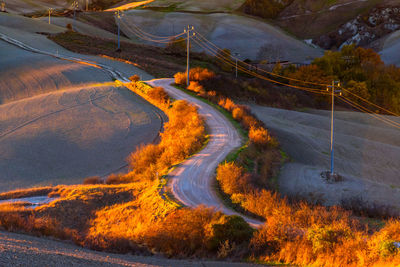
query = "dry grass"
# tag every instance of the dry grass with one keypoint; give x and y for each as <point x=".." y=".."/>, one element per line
<point x="296" y="233"/>
<point x="32" y="192"/>
<point x="183" y="135"/>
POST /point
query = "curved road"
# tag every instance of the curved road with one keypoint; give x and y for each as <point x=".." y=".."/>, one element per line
<point x="191" y="182"/>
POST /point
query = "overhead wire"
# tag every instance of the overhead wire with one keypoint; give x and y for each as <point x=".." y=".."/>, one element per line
<point x="146" y="36"/>
<point x="220" y="57"/>
<point x="142" y="36"/>
<point x="370" y="113"/>
<point x="369" y="102"/>
<point x="204" y="43"/>
<point x="155" y="36"/>
<point x="262" y="70"/>
<point x="357" y="106"/>
<point x="292" y="79"/>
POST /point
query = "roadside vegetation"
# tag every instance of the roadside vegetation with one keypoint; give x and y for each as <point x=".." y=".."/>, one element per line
<point x="127" y="213"/>
<point x="183" y="135"/>
<point x="294" y="232"/>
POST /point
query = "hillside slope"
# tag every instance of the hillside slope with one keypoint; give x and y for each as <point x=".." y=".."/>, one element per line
<point x="63" y="120"/>
<point x="243" y="35"/>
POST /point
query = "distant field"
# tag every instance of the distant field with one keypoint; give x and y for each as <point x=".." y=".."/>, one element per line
<point x="65" y="136"/>
<point x="391" y="47"/>
<point x="25" y="74"/>
<point x="61" y="121"/>
<point x="238" y="33"/>
<point x="196" y="5"/>
<point x="367" y="154"/>
<point x="26" y="6"/>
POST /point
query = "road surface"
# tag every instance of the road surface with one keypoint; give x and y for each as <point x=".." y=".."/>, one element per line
<point x="192" y="181"/>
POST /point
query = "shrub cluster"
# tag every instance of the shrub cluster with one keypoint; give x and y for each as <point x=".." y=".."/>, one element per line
<point x="196" y="74"/>
<point x="200" y="230"/>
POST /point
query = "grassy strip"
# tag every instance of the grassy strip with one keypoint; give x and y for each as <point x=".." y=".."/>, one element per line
<point x="224" y="112"/>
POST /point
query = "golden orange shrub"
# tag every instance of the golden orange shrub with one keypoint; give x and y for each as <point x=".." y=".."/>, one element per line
<point x="197" y="88"/>
<point x="259" y="136"/>
<point x="196" y="74"/>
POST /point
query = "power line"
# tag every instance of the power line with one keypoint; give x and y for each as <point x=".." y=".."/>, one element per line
<point x="144" y="37"/>
<point x="313" y="90"/>
<point x="292" y="79"/>
<point x="369" y="112"/>
<point x="215" y="51"/>
<point x="150" y="37"/>
<point x="364" y="109"/>
<point x="369" y="102"/>
<point x="262" y="70"/>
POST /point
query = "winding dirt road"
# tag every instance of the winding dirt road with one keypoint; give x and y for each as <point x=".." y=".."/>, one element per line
<point x="192" y="181"/>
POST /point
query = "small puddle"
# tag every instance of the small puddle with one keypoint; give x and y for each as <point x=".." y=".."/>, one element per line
<point x="33" y="201"/>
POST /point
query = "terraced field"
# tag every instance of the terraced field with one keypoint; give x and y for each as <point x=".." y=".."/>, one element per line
<point x="390" y="52"/>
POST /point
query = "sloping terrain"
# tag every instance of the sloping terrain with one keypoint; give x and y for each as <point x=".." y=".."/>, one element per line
<point x="367" y="154"/>
<point x="26" y="6"/>
<point x="330" y="24"/>
<point x="391" y="47"/>
<point x="195" y="5"/>
<point x="22" y="250"/>
<point x="63" y="120"/>
<point x="81" y="27"/>
<point x="64" y="136"/>
<point x="364" y="29"/>
<point x="239" y="34"/>
<point x="26" y="74"/>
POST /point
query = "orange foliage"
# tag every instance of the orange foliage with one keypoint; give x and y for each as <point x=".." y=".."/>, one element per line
<point x="196" y="74"/>
<point x="159" y="95"/>
<point x="183" y="134"/>
<point x="232" y="178"/>
<point x="227" y="104"/>
<point x="198" y="231"/>
<point x="259" y="136"/>
<point x="197" y="88"/>
<point x="180" y="78"/>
